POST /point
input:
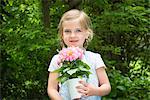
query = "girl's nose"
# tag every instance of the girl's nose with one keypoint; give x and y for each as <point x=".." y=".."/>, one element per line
<point x="72" y="34"/>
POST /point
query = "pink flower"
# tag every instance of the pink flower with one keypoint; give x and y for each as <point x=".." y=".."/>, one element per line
<point x="70" y="54"/>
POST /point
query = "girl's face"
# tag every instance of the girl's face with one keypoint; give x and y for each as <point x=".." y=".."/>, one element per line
<point x="73" y="34"/>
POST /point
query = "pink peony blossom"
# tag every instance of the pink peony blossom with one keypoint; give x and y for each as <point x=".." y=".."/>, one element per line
<point x="70" y="54"/>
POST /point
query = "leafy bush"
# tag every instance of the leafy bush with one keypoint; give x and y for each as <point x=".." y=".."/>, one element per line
<point x="26" y="51"/>
<point x="121" y="30"/>
<point x="126" y="88"/>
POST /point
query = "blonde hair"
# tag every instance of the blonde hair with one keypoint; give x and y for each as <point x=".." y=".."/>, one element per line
<point x="84" y="21"/>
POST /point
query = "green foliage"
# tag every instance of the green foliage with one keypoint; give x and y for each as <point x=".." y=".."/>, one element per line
<point x="122" y="33"/>
<point x="73" y="69"/>
<point x="121" y="30"/>
<point x="26" y="51"/>
<point x="128" y="88"/>
<point x="122" y="37"/>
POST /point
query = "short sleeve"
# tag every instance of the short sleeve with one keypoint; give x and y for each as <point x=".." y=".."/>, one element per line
<point x="99" y="61"/>
<point x="53" y="64"/>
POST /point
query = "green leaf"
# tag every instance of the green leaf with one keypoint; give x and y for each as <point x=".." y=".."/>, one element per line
<point x="70" y="72"/>
<point x="59" y="70"/>
<point x="121" y="88"/>
<point x="10" y="2"/>
<point x="22" y="7"/>
<point x="65" y="70"/>
<point x="62" y="79"/>
<point x="82" y="68"/>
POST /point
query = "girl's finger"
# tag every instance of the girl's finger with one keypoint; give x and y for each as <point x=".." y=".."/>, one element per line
<point x="82" y="91"/>
<point x="83" y="83"/>
<point x="82" y="87"/>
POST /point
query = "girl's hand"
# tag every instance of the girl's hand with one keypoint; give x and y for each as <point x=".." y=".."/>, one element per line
<point x="86" y="89"/>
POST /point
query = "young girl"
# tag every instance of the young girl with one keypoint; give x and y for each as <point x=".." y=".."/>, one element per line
<point x="74" y="30"/>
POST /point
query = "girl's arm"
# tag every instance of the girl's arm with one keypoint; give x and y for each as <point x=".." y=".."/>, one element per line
<point x="105" y="87"/>
<point x="90" y="90"/>
<point x="52" y="88"/>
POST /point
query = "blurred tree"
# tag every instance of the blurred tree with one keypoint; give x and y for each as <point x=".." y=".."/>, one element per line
<point x="73" y="4"/>
<point x="29" y="39"/>
<point x="46" y="14"/>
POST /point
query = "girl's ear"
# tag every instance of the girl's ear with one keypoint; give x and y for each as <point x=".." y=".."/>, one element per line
<point x="87" y="35"/>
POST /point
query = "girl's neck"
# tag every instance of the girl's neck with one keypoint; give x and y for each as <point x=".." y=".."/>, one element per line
<point x="84" y="49"/>
<point x="74" y="46"/>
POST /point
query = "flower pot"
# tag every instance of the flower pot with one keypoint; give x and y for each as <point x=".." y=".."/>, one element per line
<point x="72" y="84"/>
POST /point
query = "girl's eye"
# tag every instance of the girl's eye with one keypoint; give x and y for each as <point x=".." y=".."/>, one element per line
<point x="67" y="31"/>
<point x="78" y="30"/>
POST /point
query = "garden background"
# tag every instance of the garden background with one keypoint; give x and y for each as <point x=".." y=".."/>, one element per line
<point x="28" y="31"/>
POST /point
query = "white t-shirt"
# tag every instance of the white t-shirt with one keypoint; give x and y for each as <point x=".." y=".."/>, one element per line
<point x="94" y="60"/>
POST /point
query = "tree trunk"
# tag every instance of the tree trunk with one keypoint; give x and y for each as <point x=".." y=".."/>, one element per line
<point x="46" y="14"/>
<point x="73" y="4"/>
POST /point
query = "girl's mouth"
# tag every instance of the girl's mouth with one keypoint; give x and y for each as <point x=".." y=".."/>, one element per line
<point x="72" y="41"/>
